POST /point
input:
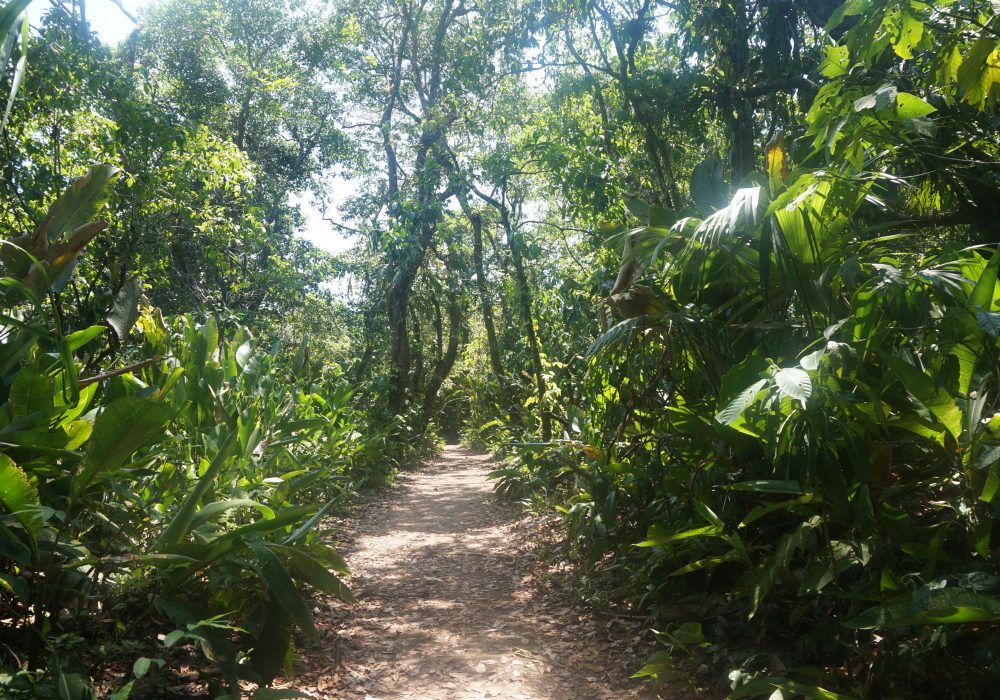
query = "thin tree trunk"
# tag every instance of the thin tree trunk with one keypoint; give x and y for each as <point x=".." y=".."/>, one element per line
<point x="485" y="302"/>
<point x="525" y="304"/>
<point x="444" y="366"/>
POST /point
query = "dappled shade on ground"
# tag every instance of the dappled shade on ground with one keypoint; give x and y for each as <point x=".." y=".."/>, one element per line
<point x="448" y="606"/>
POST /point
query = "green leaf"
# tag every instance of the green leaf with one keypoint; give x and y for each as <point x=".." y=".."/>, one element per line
<point x="73" y="686"/>
<point x="180" y="526"/>
<point x="937" y="400"/>
<point x="930" y="607"/>
<point x="19" y="495"/>
<point x="659" y="666"/>
<point x="173" y="637"/>
<point x="314" y="572"/>
<point x="880" y="100"/>
<point x="213" y="510"/>
<point x="731" y="413"/>
<point x="124" y="426"/>
<point x="655" y="538"/>
<point x="125" y="312"/>
<point x="794" y="382"/>
<point x="907" y="32"/>
<point x="759" y="511"/>
<point x="768" y="486"/>
<point x="80" y="202"/>
<point x="278" y="694"/>
<point x="708" y="190"/>
<point x="767" y="686"/>
<point x="811" y="361"/>
<point x="706" y="563"/>
<point x="836" y="61"/>
<point x="989" y="456"/>
<point x="31" y="392"/>
<point x="75" y="341"/>
<point x="830" y="562"/>
<point x="283" y="589"/>
<point x="9" y="14"/>
<point x="19" y="69"/>
<point x="142" y="665"/>
<point x="912" y="107"/>
<point x="979" y="73"/>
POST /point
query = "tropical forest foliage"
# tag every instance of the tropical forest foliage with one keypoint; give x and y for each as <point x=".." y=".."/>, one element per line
<point x="718" y="280"/>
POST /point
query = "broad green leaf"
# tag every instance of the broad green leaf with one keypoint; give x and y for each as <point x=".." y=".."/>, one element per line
<point x="759" y="511"/>
<point x="122" y="427"/>
<point x="77" y="340"/>
<point x="794" y="382"/>
<point x="706" y="563"/>
<point x="660" y="666"/>
<point x="937" y="400"/>
<point x="142" y="665"/>
<point x="979" y="73"/>
<point x="767" y="686"/>
<point x="907" y="30"/>
<point x="768" y="486"/>
<point x="31" y="392"/>
<point x="278" y="694"/>
<point x="732" y="412"/>
<point x="19" y="70"/>
<point x="708" y="190"/>
<point x="912" y="107"/>
<point x="19" y="496"/>
<point x="309" y="569"/>
<point x="212" y="511"/>
<point x="80" y="202"/>
<point x="930" y="607"/>
<point x="9" y="13"/>
<point x="125" y="312"/>
<point x="836" y="61"/>
<point x="180" y="526"/>
<point x="278" y="581"/>
<point x="880" y="100"/>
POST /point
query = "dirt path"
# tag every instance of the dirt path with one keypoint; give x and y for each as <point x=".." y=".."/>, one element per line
<point x="447" y="608"/>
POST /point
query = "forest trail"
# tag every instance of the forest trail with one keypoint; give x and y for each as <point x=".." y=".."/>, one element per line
<point x="447" y="607"/>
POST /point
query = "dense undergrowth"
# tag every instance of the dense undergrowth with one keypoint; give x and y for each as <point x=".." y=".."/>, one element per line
<point x="167" y="482"/>
<point x="759" y="387"/>
<point x="786" y="449"/>
<point x="181" y="494"/>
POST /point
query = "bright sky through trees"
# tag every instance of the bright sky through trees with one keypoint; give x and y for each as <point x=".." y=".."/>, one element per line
<point x="113" y="26"/>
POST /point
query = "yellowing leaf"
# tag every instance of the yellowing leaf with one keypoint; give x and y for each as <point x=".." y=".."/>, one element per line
<point x="777" y="161"/>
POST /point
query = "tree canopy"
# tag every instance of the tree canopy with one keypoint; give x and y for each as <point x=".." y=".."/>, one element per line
<point x="717" y="279"/>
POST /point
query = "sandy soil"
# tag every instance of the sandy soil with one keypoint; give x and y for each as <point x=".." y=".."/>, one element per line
<point x="449" y="606"/>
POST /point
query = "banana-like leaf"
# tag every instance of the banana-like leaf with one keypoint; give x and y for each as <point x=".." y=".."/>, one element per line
<point x="19" y="69"/>
<point x="80" y="203"/>
<point x="19" y="495"/>
<point x="180" y="526"/>
<point x="930" y="607"/>
<point x="125" y="312"/>
<point x="314" y="572"/>
<point x="124" y="426"/>
<point x="31" y="392"/>
<point x="283" y="588"/>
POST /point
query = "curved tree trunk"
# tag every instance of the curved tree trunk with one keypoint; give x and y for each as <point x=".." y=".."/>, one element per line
<point x="525" y="303"/>
<point x="456" y="325"/>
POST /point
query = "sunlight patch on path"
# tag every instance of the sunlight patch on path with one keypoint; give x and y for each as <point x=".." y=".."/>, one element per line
<point x="446" y="609"/>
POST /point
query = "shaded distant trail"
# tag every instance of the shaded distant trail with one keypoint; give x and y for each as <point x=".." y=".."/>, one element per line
<point x="448" y="608"/>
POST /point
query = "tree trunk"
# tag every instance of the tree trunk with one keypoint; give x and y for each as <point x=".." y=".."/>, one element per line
<point x="485" y="302"/>
<point x="443" y="367"/>
<point x="527" y="317"/>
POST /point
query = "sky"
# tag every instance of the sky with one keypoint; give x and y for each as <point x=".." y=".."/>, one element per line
<point x="112" y="26"/>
